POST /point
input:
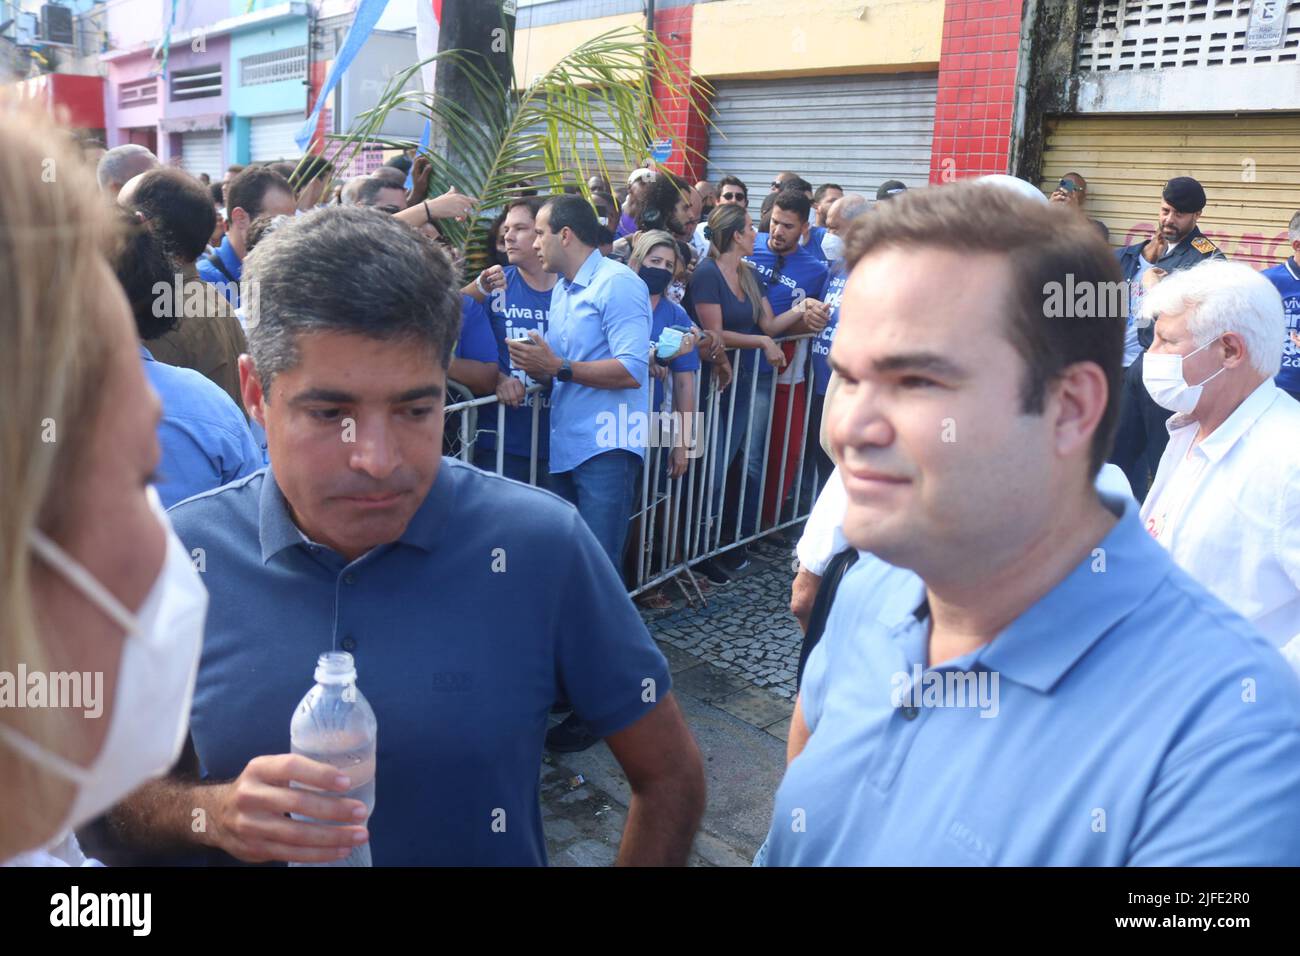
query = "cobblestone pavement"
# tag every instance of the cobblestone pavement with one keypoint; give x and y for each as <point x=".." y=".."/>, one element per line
<point x="733" y="663"/>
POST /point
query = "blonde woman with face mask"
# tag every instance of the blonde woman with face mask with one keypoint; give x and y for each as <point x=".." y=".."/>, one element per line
<point x="102" y="609"/>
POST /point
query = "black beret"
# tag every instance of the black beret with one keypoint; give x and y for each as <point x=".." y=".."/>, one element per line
<point x="1185" y="194"/>
<point x="890" y="188"/>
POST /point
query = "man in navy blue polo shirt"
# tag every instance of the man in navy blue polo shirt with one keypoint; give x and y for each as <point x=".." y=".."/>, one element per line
<point x="1050" y="689"/>
<point x="469" y="602"/>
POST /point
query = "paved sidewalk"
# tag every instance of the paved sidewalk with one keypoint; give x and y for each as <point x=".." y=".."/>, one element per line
<point x="733" y="664"/>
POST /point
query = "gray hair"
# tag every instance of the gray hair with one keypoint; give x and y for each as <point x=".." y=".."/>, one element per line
<point x="118" y="164"/>
<point x="1225" y="297"/>
<point x="851" y="206"/>
<point x="1293" y="229"/>
<point x="348" y="270"/>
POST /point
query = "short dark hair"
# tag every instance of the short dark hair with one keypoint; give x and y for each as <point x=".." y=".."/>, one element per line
<point x="765" y="212"/>
<point x="793" y="200"/>
<point x="234" y="168"/>
<point x="824" y="188"/>
<point x="344" y="269"/>
<point x="733" y="181"/>
<point x="606" y="209"/>
<point x="390" y="176"/>
<point x="179" y="210"/>
<point x="798" y="183"/>
<point x="575" y="213"/>
<point x="401" y="162"/>
<point x="1042" y="248"/>
<point x="532" y="203"/>
<point x="248" y="190"/>
<point x="218" y="193"/>
<point x="141" y="264"/>
<point x="312" y="168"/>
<point x="368" y="192"/>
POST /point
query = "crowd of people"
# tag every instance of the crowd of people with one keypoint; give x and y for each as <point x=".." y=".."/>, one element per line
<point x="1100" y="509"/>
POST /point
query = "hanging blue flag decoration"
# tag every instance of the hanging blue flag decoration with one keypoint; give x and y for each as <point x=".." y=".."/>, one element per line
<point x="423" y="148"/>
<point x="368" y="14"/>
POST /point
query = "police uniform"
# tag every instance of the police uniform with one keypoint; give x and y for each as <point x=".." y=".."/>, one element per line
<point x="1141" y="437"/>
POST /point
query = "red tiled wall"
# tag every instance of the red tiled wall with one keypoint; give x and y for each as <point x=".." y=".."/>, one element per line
<point x="690" y="134"/>
<point x="977" y="77"/>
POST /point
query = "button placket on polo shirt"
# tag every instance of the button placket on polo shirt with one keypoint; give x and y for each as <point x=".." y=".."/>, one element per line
<point x="905" y="722"/>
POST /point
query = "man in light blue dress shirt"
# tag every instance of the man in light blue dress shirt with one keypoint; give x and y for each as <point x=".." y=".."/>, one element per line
<point x="1047" y="688"/>
<point x="597" y="351"/>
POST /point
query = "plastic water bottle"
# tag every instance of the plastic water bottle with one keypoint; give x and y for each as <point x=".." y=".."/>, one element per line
<point x="335" y="725"/>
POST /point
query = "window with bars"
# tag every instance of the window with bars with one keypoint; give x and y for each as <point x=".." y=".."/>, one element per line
<point x="197" y="82"/>
<point x="287" y="64"/>
<point x="138" y="93"/>
<point x="1118" y="35"/>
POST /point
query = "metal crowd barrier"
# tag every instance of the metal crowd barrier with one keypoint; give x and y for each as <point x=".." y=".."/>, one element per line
<point x="674" y="524"/>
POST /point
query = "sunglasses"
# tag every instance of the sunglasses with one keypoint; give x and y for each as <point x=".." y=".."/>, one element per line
<point x="733" y="196"/>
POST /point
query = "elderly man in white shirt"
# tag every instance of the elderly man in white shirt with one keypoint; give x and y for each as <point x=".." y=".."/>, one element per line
<point x="1226" y="498"/>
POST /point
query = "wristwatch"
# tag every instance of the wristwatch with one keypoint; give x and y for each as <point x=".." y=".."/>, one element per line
<point x="565" y="374"/>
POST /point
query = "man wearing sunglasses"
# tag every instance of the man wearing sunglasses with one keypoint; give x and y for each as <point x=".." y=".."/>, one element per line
<point x="731" y="192"/>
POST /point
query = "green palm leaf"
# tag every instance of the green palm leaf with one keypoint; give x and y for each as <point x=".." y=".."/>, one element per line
<point x="591" y="113"/>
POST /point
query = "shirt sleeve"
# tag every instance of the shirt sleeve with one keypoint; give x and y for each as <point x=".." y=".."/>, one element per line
<point x="1286" y="533"/>
<point x="690" y="362"/>
<point x="823" y="535"/>
<point x="625" y="320"/>
<point x="610" y="668"/>
<point x="1231" y="803"/>
<point x="705" y="284"/>
<point x="477" y="342"/>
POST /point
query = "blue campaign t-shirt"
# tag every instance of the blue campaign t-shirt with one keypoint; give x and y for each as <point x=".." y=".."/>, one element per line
<point x="788" y="278"/>
<point x="668" y="313"/>
<point x="821" y="345"/>
<point x="477" y="341"/>
<point x="708" y="287"/>
<point x="1286" y="276"/>
<point x="495" y="601"/>
<point x="814" y="245"/>
<point x="515" y="312"/>
<point x="203" y="436"/>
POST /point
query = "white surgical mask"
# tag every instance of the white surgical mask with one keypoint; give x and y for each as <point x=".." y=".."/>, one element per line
<point x="1163" y="376"/>
<point x="832" y="247"/>
<point x="155" y="681"/>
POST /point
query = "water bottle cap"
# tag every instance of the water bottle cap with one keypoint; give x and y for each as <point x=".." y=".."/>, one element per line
<point x="336" y="667"/>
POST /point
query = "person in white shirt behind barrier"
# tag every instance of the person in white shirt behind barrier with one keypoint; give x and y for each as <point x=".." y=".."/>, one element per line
<point x="1226" y="498"/>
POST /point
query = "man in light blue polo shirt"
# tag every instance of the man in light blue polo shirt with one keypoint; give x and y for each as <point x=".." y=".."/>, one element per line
<point x="596" y="351"/>
<point x="468" y="601"/>
<point x="1048" y="688"/>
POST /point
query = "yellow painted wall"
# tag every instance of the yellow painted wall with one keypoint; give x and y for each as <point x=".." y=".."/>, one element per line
<point x="539" y="49"/>
<point x="750" y="38"/>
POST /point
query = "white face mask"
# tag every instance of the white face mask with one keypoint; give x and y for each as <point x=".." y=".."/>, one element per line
<point x="832" y="247"/>
<point x="1163" y="377"/>
<point x="155" y="681"/>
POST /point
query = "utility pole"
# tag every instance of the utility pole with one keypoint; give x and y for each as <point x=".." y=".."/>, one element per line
<point x="484" y="29"/>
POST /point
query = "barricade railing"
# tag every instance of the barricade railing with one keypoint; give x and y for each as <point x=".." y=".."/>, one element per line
<point x="678" y="522"/>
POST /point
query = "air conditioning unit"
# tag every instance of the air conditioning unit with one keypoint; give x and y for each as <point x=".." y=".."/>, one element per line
<point x="56" y="24"/>
<point x="27" y="31"/>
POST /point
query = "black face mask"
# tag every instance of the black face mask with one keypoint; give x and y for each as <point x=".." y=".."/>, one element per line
<point x="655" y="279"/>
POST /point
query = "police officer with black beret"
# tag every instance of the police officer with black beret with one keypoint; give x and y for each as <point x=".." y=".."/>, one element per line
<point x="1177" y="244"/>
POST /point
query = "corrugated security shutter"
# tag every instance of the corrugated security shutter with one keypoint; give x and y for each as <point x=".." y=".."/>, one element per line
<point x="1249" y="165"/>
<point x="857" y="131"/>
<point x="271" y="137"/>
<point x="201" y="153"/>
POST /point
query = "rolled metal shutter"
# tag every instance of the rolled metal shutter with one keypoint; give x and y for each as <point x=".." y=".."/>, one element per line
<point x="271" y="138"/>
<point x="201" y="153"/>
<point x="857" y="131"/>
<point x="1248" y="163"/>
